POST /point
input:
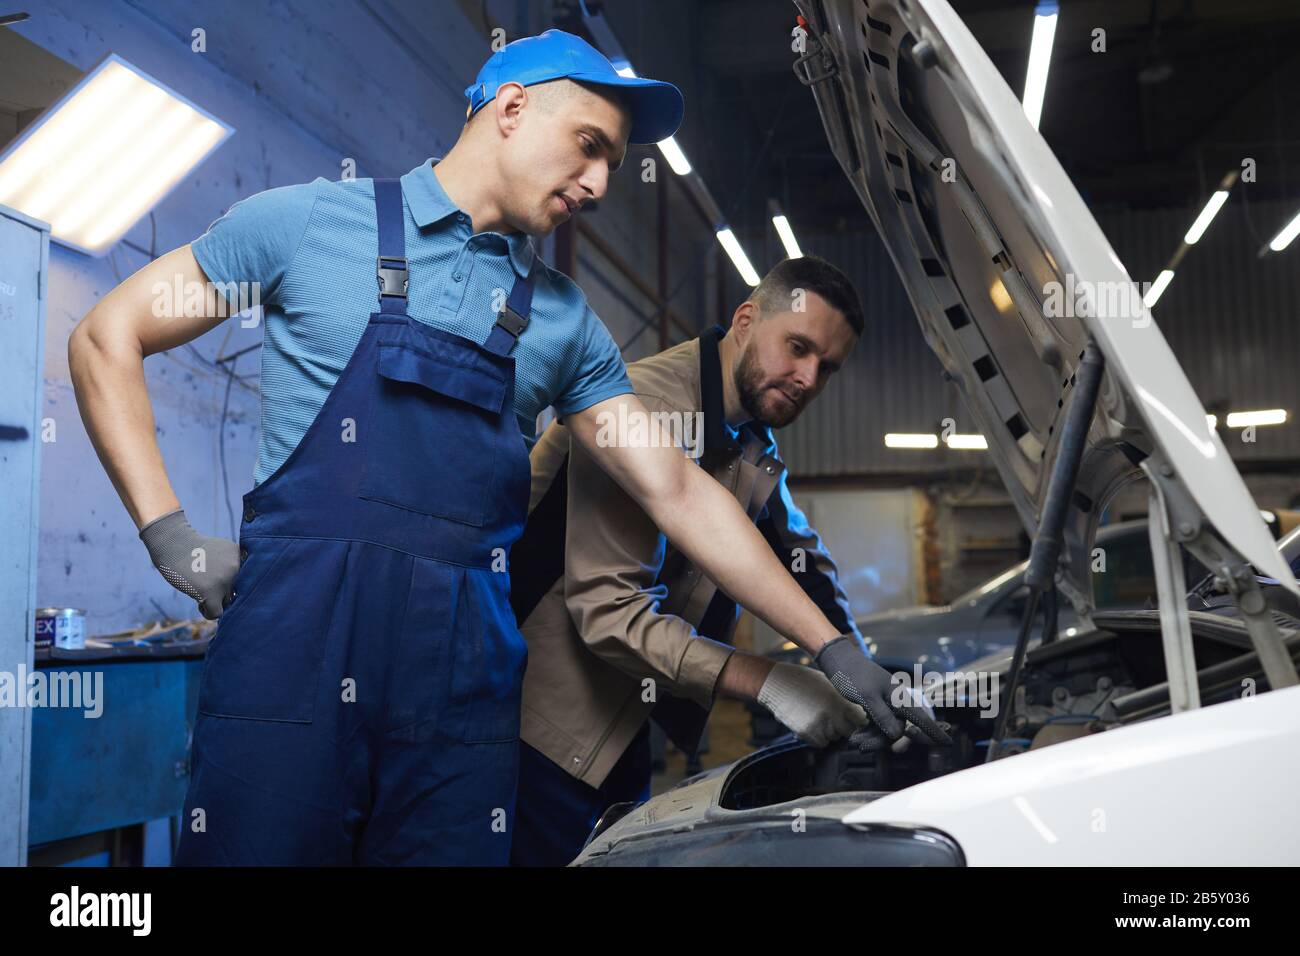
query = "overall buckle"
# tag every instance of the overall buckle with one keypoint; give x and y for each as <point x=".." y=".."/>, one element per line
<point x="512" y="321"/>
<point x="392" y="275"/>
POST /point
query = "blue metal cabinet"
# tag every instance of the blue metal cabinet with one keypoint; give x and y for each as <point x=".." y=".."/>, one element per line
<point x="24" y="263"/>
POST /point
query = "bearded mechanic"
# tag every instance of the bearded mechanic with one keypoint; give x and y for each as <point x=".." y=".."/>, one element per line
<point x="620" y="627"/>
<point x="360" y="701"/>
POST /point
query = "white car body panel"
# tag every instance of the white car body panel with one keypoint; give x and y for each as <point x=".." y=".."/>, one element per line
<point x="1208" y="787"/>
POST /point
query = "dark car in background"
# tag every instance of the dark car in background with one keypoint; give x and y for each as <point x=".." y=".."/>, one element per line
<point x="987" y="618"/>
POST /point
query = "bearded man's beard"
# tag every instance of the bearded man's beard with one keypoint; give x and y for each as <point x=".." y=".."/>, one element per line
<point x="750" y="387"/>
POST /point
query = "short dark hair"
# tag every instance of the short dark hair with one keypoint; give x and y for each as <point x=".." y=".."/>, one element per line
<point x="812" y="274"/>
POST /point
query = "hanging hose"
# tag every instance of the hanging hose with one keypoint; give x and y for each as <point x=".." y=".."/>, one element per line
<point x="1017" y="659"/>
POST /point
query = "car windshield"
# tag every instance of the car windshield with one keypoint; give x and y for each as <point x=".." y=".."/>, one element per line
<point x="1289" y="546"/>
<point x="974" y="594"/>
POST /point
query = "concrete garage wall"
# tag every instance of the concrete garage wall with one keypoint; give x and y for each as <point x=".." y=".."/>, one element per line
<point x="307" y="84"/>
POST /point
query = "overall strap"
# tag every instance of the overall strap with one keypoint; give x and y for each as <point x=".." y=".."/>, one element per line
<point x="390" y="267"/>
<point x="513" y="319"/>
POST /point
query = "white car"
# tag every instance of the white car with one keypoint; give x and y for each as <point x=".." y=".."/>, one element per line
<point x="1169" y="736"/>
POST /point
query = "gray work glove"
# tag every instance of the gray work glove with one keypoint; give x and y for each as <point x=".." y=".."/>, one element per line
<point x="804" y="700"/>
<point x="870" y="738"/>
<point x="203" y="568"/>
<point x="863" y="681"/>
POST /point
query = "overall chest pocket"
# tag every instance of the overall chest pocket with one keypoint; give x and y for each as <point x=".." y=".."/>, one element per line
<point x="433" y="432"/>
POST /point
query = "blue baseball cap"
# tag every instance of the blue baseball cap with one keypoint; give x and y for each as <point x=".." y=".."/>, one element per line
<point x="656" y="106"/>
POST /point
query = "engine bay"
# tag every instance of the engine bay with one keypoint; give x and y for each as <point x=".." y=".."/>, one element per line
<point x="1090" y="684"/>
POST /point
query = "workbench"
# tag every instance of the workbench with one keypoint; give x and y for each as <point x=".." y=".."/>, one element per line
<point x="129" y="765"/>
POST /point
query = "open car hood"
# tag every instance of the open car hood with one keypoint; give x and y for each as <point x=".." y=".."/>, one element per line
<point x="1010" y="276"/>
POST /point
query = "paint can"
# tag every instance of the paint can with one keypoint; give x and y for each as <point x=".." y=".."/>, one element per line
<point x="61" y="627"/>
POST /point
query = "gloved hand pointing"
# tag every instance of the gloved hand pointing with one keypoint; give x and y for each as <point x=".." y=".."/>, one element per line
<point x="201" y="567"/>
<point x="804" y="700"/>
<point x="863" y="681"/>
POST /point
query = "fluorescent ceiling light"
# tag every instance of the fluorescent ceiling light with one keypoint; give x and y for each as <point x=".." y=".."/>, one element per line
<point x="1289" y="232"/>
<point x="967" y="442"/>
<point x="738" y="257"/>
<point x="105" y="154"/>
<point x="676" y="158"/>
<point x="787" y="237"/>
<point x="1271" y="416"/>
<point x="1206" y="217"/>
<point x="1040" y="58"/>
<point x="897" y="440"/>
<point x="1212" y="421"/>
<point x="1158" y="287"/>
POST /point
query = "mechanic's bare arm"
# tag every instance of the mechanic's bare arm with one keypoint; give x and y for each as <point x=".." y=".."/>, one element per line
<point x="742" y="677"/>
<point x="703" y="521"/>
<point x="106" y="355"/>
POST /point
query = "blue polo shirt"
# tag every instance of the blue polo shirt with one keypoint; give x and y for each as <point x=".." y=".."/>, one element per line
<point x="312" y="248"/>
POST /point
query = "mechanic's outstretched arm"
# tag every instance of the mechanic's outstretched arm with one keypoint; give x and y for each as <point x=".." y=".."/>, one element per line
<point x="106" y="354"/>
<point x="708" y="525"/>
<point x="613" y="558"/>
<point x="701" y="519"/>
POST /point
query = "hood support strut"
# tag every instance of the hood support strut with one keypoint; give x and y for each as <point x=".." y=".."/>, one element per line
<point x="1046" y="551"/>
<point x="1176" y="519"/>
<point x="1171" y="591"/>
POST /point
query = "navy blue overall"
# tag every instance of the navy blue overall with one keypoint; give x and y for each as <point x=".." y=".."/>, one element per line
<point x="360" y="701"/>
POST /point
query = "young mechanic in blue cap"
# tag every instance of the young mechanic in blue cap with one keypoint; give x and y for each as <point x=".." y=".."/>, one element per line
<point x="360" y="701"/>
